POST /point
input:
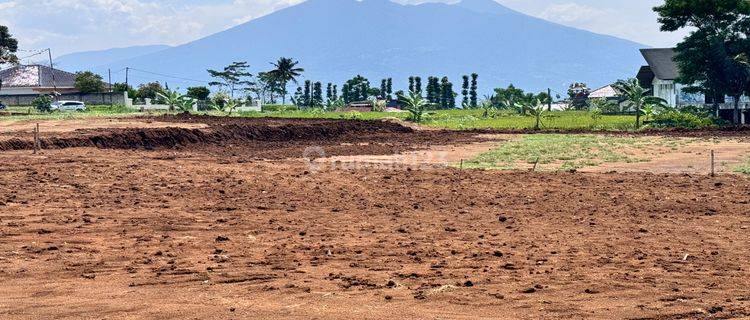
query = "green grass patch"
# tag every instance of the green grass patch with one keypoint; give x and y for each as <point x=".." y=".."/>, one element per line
<point x="557" y="120"/>
<point x="743" y="168"/>
<point x="563" y="152"/>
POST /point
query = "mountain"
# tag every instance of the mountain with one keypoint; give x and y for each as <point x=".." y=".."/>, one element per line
<point x="83" y="61"/>
<point x="337" y="39"/>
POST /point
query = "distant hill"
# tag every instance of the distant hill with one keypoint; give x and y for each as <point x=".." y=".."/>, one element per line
<point x="337" y="39"/>
<point x="83" y="61"/>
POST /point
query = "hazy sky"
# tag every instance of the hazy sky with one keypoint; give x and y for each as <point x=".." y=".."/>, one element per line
<point x="78" y="25"/>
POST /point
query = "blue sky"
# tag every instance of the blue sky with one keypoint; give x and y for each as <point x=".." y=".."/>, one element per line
<point x="78" y="25"/>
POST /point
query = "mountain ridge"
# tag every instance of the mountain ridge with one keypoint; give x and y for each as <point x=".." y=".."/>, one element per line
<point x="335" y="40"/>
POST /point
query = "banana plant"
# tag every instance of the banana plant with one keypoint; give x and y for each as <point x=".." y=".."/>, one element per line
<point x="415" y="104"/>
<point x="537" y="109"/>
<point x="488" y="106"/>
<point x="185" y="104"/>
<point x="171" y="98"/>
<point x="638" y="97"/>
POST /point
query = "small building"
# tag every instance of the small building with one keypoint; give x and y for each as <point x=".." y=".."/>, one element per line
<point x="606" y="92"/>
<point x="35" y="80"/>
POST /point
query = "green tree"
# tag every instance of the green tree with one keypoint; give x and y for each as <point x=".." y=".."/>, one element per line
<point x="317" y="97"/>
<point x="418" y="85"/>
<point x="232" y="77"/>
<point x="149" y="90"/>
<point x="346" y="93"/>
<point x="358" y="89"/>
<point x="89" y="82"/>
<point x="285" y="70"/>
<point x="307" y="94"/>
<point x="447" y="96"/>
<point x="637" y="97"/>
<point x="411" y="84"/>
<point x="507" y="98"/>
<point x="433" y="90"/>
<point x="198" y="93"/>
<point x="708" y="57"/>
<point x="8" y="46"/>
<point x="389" y="89"/>
<point x="465" y="93"/>
<point x="383" y="88"/>
<point x="473" y="90"/>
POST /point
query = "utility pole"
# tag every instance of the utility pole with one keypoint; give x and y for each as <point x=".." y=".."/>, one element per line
<point x="109" y="80"/>
<point x="549" y="94"/>
<point x="127" y="70"/>
<point x="52" y="71"/>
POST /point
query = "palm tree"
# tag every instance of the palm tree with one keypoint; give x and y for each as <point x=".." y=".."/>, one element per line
<point x="285" y="70"/>
<point x="638" y="97"/>
<point x="415" y="104"/>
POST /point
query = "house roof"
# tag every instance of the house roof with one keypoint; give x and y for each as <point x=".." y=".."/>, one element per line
<point x="36" y="76"/>
<point x="662" y="63"/>
<point x="604" y="92"/>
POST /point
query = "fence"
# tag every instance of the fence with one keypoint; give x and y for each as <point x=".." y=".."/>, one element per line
<point x="106" y="98"/>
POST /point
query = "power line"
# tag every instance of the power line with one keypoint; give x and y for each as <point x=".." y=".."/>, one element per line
<point x="168" y="76"/>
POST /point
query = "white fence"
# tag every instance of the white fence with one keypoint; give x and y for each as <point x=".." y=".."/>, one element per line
<point x="255" y="106"/>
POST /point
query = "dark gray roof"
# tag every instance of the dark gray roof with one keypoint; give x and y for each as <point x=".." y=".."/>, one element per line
<point x="662" y="63"/>
<point x="37" y="76"/>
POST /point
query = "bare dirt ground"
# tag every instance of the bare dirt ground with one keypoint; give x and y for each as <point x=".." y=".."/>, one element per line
<point x="199" y="231"/>
<point x="60" y="126"/>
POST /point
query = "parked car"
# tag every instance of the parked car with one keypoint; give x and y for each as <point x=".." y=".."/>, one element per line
<point x="68" y="106"/>
<point x="2" y="106"/>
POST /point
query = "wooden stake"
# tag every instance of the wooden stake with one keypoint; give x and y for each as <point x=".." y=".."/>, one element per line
<point x="713" y="164"/>
<point x="36" y="138"/>
<point x="536" y="163"/>
<point x="462" y="164"/>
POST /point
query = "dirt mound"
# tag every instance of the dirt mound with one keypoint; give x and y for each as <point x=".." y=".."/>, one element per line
<point x="220" y="132"/>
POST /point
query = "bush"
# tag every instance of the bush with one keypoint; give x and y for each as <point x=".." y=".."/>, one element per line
<point x="681" y="119"/>
<point x="279" y="107"/>
<point x="43" y="103"/>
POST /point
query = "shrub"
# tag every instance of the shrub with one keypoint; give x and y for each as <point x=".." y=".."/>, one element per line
<point x="279" y="107"/>
<point x="681" y="119"/>
<point x="43" y="103"/>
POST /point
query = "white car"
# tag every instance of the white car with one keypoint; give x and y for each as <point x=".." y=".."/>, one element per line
<point x="68" y="106"/>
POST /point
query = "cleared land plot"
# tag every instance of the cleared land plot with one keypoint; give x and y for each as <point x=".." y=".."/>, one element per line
<point x="196" y="229"/>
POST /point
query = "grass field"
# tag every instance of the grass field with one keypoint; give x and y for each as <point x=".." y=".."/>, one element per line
<point x="565" y="152"/>
<point x="446" y="119"/>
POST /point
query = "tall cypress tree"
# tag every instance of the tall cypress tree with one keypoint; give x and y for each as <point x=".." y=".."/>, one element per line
<point x="430" y="91"/>
<point x="389" y="89"/>
<point x="317" y="97"/>
<point x="335" y="92"/>
<point x="329" y="92"/>
<point x="445" y="91"/>
<point x="383" y="88"/>
<point x="345" y="93"/>
<point x="307" y="95"/>
<point x="411" y="85"/>
<point x="418" y="85"/>
<point x="473" y="90"/>
<point x="465" y="92"/>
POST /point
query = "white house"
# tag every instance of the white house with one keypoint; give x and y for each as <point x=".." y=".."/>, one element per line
<point x="35" y="80"/>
